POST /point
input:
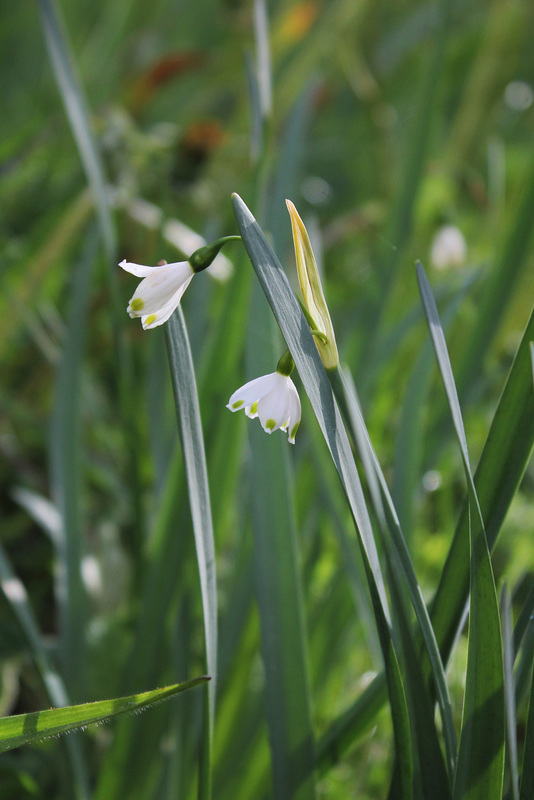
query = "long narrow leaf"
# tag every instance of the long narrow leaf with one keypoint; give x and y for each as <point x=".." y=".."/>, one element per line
<point x="479" y="774"/>
<point x="16" y="595"/>
<point x="191" y="437"/>
<point x="527" y="773"/>
<point x="391" y="528"/>
<point x="503" y="461"/>
<point x="29" y="728"/>
<point x="506" y="618"/>
<point x="75" y="106"/>
<point x="66" y="477"/>
<point x="500" y="286"/>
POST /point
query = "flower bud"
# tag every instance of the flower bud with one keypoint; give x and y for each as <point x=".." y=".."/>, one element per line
<point x="204" y="256"/>
<point x="312" y="291"/>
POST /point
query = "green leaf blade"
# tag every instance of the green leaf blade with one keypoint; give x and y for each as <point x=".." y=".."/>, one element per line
<point x="30" y="728"/>
<point x="190" y="428"/>
<point x="479" y="773"/>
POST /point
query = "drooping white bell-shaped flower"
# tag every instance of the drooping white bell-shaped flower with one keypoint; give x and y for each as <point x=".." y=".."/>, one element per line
<point x="158" y="295"/>
<point x="274" y="399"/>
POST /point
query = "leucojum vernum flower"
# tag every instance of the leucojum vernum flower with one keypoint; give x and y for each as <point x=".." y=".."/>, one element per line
<point x="158" y="295"/>
<point x="273" y="398"/>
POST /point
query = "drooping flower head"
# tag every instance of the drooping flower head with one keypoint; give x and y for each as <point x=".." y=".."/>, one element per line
<point x="158" y="295"/>
<point x="312" y="291"/>
<point x="273" y="398"/>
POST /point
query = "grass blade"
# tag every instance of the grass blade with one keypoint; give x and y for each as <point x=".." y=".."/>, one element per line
<point x="191" y="437"/>
<point x="499" y="472"/>
<point x="506" y="618"/>
<point x="401" y="562"/>
<point x="263" y="58"/>
<point x="500" y="286"/>
<point x="479" y="773"/>
<point x="16" y="596"/>
<point x="75" y="106"/>
<point x="527" y="772"/>
<point x="29" y="728"/>
<point x="409" y="446"/>
<point x="66" y="467"/>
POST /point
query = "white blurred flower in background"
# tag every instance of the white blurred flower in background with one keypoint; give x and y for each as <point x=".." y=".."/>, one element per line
<point x="449" y="248"/>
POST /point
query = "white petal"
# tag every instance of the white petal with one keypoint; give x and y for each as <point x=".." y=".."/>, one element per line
<point x="294" y="412"/>
<point x="252" y="391"/>
<point x="140" y="270"/>
<point x="159" y="287"/>
<point x="163" y="314"/>
<point x="273" y="408"/>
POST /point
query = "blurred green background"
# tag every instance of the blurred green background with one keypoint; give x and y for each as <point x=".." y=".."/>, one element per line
<point x="390" y="121"/>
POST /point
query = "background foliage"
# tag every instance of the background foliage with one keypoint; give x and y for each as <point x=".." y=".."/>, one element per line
<point x="123" y="122"/>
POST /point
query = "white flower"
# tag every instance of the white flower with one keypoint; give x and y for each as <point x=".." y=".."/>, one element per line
<point x="158" y="295"/>
<point x="274" y="399"/>
<point x="449" y="248"/>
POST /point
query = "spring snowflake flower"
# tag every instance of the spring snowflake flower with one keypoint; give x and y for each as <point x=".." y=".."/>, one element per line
<point x="158" y="295"/>
<point x="274" y="399"/>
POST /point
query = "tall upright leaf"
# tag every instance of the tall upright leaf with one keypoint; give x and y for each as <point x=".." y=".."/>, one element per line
<point x="479" y="774"/>
<point x="190" y="428"/>
<point x="502" y="463"/>
<point x="75" y="106"/>
<point x="66" y="463"/>
<point x="16" y="595"/>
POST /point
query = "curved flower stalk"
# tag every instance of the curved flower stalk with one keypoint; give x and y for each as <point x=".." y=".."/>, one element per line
<point x="315" y="306"/>
<point x="273" y="398"/>
<point x="158" y="295"/>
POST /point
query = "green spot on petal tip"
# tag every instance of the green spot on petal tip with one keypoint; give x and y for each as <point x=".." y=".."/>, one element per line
<point x="270" y="425"/>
